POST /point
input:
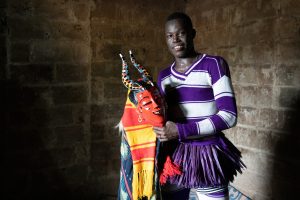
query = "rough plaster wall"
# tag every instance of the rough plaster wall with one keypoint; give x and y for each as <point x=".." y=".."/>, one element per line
<point x="260" y="39"/>
<point x="60" y="76"/>
<point x="46" y="137"/>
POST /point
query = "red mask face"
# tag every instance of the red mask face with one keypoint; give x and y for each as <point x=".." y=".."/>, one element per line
<point x="151" y="107"/>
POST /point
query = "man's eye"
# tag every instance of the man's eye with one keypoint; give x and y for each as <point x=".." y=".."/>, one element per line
<point x="181" y="34"/>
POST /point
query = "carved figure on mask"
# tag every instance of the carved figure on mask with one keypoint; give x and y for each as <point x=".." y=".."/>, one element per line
<point x="144" y="94"/>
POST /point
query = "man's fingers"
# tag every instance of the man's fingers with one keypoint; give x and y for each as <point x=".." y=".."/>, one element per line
<point x="158" y="128"/>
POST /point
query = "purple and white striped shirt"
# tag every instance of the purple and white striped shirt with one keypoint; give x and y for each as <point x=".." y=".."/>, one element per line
<point x="201" y="100"/>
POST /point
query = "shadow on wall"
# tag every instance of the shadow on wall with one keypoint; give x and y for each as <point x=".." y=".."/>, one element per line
<point x="286" y="170"/>
<point x="28" y="167"/>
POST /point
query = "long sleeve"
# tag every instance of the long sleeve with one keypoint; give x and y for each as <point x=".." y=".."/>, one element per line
<point x="226" y="115"/>
<point x="201" y="100"/>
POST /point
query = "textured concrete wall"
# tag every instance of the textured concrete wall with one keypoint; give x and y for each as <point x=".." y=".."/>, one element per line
<point x="60" y="76"/>
<point x="47" y="90"/>
<point x="260" y="39"/>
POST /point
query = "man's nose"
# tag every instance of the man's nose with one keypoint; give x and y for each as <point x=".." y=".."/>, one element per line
<point x="175" y="38"/>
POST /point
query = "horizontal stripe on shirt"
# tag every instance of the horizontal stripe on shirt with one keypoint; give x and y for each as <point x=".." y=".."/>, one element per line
<point x="196" y="109"/>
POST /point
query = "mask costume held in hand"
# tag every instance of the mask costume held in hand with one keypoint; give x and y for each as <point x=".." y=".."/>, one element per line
<point x="144" y="109"/>
<point x="144" y="94"/>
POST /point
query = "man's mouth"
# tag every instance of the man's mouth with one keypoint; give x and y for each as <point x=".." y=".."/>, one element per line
<point x="178" y="47"/>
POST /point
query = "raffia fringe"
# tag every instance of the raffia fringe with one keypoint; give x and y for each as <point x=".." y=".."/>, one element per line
<point x="142" y="186"/>
<point x="207" y="165"/>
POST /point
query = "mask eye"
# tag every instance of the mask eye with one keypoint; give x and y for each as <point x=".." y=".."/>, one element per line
<point x="145" y="103"/>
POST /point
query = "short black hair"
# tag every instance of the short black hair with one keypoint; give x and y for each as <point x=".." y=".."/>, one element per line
<point x="184" y="17"/>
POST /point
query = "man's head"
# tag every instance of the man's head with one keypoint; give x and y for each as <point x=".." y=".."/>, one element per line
<point x="179" y="34"/>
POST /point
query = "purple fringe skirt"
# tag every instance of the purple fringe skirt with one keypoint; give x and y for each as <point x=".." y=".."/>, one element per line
<point x="210" y="162"/>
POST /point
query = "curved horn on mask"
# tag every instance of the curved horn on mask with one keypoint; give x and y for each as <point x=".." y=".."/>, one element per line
<point x="145" y="74"/>
<point x="130" y="84"/>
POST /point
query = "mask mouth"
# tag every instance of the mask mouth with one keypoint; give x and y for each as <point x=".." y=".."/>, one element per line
<point x="157" y="111"/>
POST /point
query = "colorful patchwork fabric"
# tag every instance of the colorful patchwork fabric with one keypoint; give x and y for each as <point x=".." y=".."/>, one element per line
<point x="138" y="151"/>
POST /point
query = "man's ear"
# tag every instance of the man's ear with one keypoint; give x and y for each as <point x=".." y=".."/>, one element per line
<point x="193" y="33"/>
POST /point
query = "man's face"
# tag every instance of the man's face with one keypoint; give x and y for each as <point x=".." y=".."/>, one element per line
<point x="151" y="106"/>
<point x="179" y="38"/>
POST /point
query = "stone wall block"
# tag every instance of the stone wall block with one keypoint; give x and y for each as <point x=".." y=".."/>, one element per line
<point x="259" y="10"/>
<point x="20" y="52"/>
<point x="22" y="9"/>
<point x="81" y="11"/>
<point x="66" y="73"/>
<point x="269" y="118"/>
<point x="108" y="10"/>
<point x="21" y="29"/>
<point x="287" y="27"/>
<point x="61" y="51"/>
<point x="247" y="95"/>
<point x="100" y="113"/>
<point x="107" y="69"/>
<point x="3" y="57"/>
<point x="33" y="73"/>
<point x="258" y="54"/>
<point x="290" y="8"/>
<point x="107" y="51"/>
<point x="97" y="90"/>
<point x="259" y="163"/>
<point x="55" y="10"/>
<point x="265" y="75"/>
<point x="114" y="90"/>
<point x="248" y="116"/>
<point x="264" y="97"/>
<point x="69" y="94"/>
<point x="288" y="75"/>
<point x="288" y="52"/>
<point x="289" y="97"/>
<point x="256" y="187"/>
<point x="245" y="74"/>
<point x="69" y="135"/>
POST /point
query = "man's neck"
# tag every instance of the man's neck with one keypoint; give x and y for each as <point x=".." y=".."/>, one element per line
<point x="181" y="64"/>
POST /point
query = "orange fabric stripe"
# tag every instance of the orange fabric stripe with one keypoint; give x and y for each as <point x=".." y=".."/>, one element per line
<point x="142" y="144"/>
<point x="138" y="154"/>
<point x="142" y="161"/>
<point x="134" y="129"/>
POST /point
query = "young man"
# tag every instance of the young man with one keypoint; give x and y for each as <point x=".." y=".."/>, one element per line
<point x="201" y="103"/>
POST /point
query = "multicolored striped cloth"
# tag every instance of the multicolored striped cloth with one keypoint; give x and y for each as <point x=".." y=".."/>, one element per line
<point x="142" y="144"/>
